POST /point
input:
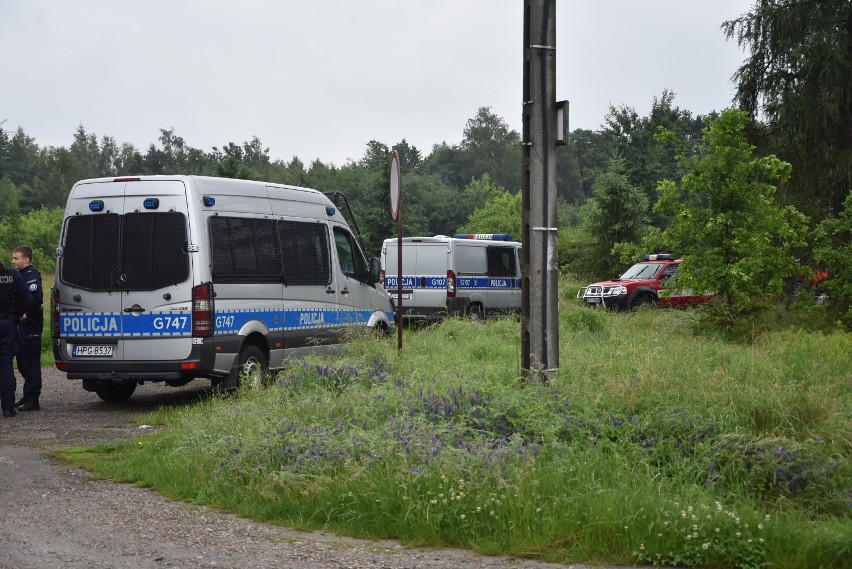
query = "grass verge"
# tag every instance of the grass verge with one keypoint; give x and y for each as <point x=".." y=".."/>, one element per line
<point x="654" y="445"/>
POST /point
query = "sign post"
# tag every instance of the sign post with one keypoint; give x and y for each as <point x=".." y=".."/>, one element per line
<point x="396" y="214"/>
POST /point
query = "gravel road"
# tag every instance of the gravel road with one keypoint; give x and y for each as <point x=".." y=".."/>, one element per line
<point x="56" y="516"/>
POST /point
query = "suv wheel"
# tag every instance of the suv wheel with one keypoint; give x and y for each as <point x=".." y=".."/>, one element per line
<point x="643" y="299"/>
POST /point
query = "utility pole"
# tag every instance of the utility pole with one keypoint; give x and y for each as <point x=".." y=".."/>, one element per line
<point x="540" y="307"/>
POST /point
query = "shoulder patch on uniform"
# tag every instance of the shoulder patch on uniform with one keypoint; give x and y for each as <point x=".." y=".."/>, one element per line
<point x="33" y="287"/>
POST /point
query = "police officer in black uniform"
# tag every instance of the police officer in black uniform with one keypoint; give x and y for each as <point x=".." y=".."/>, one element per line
<point x="15" y="299"/>
<point x="30" y="326"/>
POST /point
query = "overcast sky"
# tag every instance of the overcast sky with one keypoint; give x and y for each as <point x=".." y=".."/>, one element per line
<point x="321" y="78"/>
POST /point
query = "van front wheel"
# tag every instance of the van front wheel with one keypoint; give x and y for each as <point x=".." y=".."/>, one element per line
<point x="250" y="367"/>
<point x="115" y="392"/>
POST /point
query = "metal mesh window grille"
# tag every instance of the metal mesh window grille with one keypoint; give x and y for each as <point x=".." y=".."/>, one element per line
<point x="136" y="251"/>
<point x="304" y="250"/>
<point x="90" y="257"/>
<point x="244" y="248"/>
<point x="153" y="250"/>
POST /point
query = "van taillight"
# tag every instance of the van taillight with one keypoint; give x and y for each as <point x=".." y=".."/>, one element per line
<point x="383" y="276"/>
<point x="202" y="310"/>
<point x="54" y="312"/>
<point x="451" y="284"/>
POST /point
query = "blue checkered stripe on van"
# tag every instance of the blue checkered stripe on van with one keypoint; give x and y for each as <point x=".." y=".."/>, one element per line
<point x="176" y="324"/>
<point x="232" y="321"/>
<point x="417" y="281"/>
<point x="487" y="283"/>
<point x="108" y="324"/>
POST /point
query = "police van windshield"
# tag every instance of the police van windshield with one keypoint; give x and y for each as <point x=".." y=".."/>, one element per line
<point x="135" y="251"/>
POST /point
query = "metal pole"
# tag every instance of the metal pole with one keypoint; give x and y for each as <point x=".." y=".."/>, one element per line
<point x="399" y="273"/>
<point x="540" y="306"/>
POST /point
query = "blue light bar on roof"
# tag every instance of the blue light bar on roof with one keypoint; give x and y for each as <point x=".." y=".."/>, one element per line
<point x="209" y="201"/>
<point x="96" y="205"/>
<point x="488" y="236"/>
<point x="151" y="203"/>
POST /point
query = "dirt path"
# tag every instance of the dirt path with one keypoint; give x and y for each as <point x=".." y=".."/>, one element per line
<point x="57" y="516"/>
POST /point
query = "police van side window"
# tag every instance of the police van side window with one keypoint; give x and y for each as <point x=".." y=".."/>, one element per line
<point x="353" y="264"/>
<point x="501" y="262"/>
<point x="304" y="252"/>
<point x="244" y="249"/>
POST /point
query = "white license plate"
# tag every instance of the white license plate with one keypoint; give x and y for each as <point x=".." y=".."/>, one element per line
<point x="91" y="350"/>
<point x="593" y="300"/>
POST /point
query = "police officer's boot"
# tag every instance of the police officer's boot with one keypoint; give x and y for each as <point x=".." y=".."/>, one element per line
<point x="21" y="401"/>
<point x="30" y="404"/>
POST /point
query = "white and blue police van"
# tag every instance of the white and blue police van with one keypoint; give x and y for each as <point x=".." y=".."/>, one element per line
<point x="171" y="278"/>
<point x="471" y="275"/>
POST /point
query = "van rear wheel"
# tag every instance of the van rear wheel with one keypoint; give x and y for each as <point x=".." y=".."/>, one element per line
<point x="115" y="392"/>
<point x="250" y="367"/>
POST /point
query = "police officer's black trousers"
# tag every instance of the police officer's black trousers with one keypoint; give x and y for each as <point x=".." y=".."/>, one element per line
<point x="29" y="359"/>
<point x="8" y="348"/>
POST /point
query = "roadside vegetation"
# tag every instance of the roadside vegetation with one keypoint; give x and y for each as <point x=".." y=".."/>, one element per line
<point x="656" y="444"/>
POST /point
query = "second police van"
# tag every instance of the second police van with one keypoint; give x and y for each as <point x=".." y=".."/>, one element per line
<point x="170" y="278"/>
<point x="468" y="275"/>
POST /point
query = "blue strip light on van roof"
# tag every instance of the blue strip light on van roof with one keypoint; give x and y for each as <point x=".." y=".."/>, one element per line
<point x="209" y="201"/>
<point x="330" y="211"/>
<point x="96" y="205"/>
<point x="151" y="203"/>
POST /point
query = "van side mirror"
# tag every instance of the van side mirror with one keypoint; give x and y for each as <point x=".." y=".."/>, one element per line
<point x="375" y="270"/>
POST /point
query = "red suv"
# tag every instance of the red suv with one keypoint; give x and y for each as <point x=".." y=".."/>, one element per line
<point x="641" y="284"/>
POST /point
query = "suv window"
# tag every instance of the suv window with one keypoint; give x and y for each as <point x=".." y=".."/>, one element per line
<point x="670" y="271"/>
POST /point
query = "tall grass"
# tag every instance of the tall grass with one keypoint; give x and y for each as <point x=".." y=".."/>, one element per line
<point x="653" y="444"/>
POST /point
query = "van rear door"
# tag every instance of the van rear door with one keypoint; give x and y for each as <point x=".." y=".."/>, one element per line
<point x="125" y="272"/>
<point x="424" y="279"/>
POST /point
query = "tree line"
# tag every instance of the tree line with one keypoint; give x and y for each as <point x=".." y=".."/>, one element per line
<point x="442" y="189"/>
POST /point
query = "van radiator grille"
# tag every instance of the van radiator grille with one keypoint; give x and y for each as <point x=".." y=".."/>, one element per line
<point x="136" y="251"/>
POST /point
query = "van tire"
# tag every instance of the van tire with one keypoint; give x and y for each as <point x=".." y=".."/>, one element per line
<point x="115" y="392"/>
<point x="250" y="359"/>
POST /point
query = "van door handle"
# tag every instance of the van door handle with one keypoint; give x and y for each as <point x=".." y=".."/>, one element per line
<point x="330" y="290"/>
<point x="344" y="291"/>
<point x="135" y="308"/>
